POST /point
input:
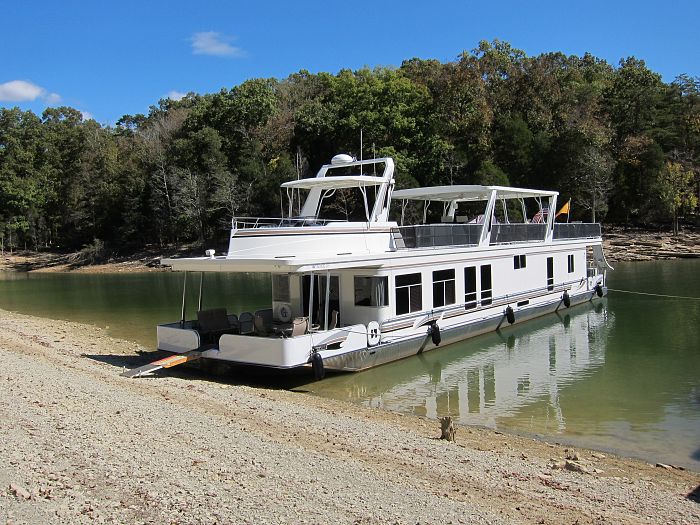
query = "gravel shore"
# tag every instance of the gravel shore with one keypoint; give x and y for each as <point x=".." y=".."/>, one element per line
<point x="80" y="444"/>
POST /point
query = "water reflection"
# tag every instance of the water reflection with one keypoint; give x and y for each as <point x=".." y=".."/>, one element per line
<point x="483" y="380"/>
<point x="129" y="305"/>
<point x="623" y="375"/>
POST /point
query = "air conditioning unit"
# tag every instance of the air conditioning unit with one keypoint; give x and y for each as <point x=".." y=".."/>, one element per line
<point x="282" y="312"/>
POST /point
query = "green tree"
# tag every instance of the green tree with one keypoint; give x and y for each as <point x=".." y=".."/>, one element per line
<point x="677" y="190"/>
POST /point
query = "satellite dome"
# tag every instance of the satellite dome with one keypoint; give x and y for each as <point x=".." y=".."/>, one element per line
<point x="342" y="158"/>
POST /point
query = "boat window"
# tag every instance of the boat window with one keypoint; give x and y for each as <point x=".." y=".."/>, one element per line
<point x="571" y="263"/>
<point x="371" y="291"/>
<point x="409" y="295"/>
<point x="550" y="273"/>
<point x="280" y="288"/>
<point x="469" y="287"/>
<point x="443" y="287"/>
<point x="486" y="290"/>
<point x="519" y="261"/>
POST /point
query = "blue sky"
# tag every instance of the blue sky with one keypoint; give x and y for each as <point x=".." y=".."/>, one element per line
<point x="108" y="59"/>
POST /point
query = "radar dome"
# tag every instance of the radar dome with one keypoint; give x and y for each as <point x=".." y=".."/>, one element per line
<point x="342" y="158"/>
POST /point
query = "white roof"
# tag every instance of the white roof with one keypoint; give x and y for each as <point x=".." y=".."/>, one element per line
<point x="467" y="193"/>
<point x="335" y="182"/>
<point x="273" y="264"/>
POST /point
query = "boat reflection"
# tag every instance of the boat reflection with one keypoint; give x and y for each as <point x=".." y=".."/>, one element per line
<point x="491" y="377"/>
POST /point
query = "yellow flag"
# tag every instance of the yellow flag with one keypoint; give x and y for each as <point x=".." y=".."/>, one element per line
<point x="565" y="208"/>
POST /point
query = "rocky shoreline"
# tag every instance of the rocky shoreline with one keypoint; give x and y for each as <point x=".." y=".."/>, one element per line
<point x="628" y="244"/>
<point x="80" y="444"/>
<point x="620" y="244"/>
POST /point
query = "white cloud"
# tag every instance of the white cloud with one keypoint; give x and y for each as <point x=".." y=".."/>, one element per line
<point x="23" y="91"/>
<point x="52" y="98"/>
<point x="213" y="43"/>
<point x="176" y="95"/>
<point x="20" y="91"/>
<point x="87" y="115"/>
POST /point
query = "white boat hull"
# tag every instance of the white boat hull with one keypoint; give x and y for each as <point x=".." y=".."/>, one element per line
<point x="346" y="348"/>
<point x="393" y="351"/>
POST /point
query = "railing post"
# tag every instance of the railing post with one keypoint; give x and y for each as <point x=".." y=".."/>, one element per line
<point x="485" y="237"/>
<point x="551" y="215"/>
<point x="201" y="283"/>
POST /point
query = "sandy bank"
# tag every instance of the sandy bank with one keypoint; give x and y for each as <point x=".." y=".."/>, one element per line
<point x="28" y="261"/>
<point x="80" y="444"/>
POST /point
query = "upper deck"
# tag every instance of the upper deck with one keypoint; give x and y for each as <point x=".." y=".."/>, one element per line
<point x="310" y="236"/>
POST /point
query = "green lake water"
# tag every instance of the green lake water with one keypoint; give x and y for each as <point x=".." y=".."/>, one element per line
<point x="621" y="374"/>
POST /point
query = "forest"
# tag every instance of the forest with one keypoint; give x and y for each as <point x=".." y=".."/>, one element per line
<point x="618" y="141"/>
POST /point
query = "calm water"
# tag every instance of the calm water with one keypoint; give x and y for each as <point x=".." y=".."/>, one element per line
<point x="620" y="375"/>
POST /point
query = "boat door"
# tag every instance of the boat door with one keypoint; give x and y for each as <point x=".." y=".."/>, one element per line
<point x="550" y="273"/>
<point x="316" y="297"/>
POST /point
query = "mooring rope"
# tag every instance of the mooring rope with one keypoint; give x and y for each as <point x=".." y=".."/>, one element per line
<point x="655" y="294"/>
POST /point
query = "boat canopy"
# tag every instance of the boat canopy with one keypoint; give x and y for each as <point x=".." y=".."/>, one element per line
<point x="467" y="193"/>
<point x="335" y="182"/>
<point x="279" y="264"/>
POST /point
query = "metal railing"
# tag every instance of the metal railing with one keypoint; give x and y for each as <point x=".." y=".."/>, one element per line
<point x="240" y="223"/>
<point x="510" y="233"/>
<point x="435" y="235"/>
<point x="576" y="230"/>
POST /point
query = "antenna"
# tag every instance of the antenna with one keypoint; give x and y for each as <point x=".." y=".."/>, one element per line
<point x="298" y="163"/>
<point x="374" y="156"/>
<point x="360" y="150"/>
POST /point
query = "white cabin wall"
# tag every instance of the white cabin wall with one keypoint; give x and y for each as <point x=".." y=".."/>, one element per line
<point x="580" y="262"/>
<point x="351" y="314"/>
<point x="343" y="238"/>
<point x="505" y="279"/>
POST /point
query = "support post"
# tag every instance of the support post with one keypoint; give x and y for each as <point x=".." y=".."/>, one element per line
<point x="328" y="297"/>
<point x="201" y="282"/>
<point x="184" y="296"/>
<point x="311" y="299"/>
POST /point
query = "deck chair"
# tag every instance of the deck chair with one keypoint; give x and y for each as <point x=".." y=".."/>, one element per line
<point x="333" y="320"/>
<point x="259" y="325"/>
<point x="212" y="324"/>
<point x="233" y="321"/>
<point x="300" y="326"/>
<point x="247" y="323"/>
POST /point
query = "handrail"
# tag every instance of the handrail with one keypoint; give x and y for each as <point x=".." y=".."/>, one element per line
<point x="438" y="235"/>
<point x="576" y="230"/>
<point x="239" y="223"/>
<point x="507" y="233"/>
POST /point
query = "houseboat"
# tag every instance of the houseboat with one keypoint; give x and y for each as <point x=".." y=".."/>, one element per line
<point x="362" y="275"/>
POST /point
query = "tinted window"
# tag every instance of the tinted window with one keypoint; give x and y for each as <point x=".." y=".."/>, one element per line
<point x="409" y="297"/>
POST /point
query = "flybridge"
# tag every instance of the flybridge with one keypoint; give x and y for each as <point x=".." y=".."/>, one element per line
<point x="341" y="217"/>
<point x="333" y="177"/>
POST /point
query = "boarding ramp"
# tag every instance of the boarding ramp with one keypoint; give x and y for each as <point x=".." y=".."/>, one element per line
<point x="166" y="362"/>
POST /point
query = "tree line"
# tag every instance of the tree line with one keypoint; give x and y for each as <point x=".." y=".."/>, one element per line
<point x="619" y="141"/>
